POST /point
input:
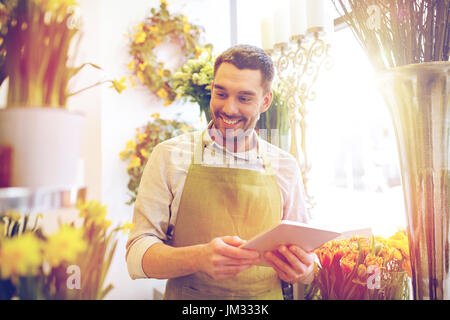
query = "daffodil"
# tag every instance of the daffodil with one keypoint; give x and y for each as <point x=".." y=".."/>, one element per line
<point x="127" y="226"/>
<point x="64" y="246"/>
<point x="21" y="255"/>
<point x="92" y="211"/>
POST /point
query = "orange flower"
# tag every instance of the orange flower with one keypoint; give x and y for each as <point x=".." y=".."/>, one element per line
<point x="406" y="265"/>
<point x="348" y="262"/>
<point x="325" y="258"/>
<point x="372" y="260"/>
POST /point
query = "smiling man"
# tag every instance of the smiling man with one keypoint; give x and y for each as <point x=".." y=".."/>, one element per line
<point x="204" y="194"/>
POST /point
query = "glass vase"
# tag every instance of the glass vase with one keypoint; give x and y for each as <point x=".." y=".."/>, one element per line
<point x="417" y="96"/>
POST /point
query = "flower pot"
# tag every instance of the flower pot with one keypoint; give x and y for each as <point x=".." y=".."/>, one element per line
<point x="418" y="97"/>
<point x="45" y="145"/>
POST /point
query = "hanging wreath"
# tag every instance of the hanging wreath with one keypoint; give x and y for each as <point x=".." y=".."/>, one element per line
<point x="160" y="26"/>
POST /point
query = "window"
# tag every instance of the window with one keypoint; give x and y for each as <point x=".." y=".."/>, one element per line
<point x="355" y="179"/>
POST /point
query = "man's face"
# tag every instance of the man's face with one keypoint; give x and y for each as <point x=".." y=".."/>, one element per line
<point x="237" y="99"/>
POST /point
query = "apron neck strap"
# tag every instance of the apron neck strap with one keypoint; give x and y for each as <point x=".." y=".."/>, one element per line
<point x="199" y="148"/>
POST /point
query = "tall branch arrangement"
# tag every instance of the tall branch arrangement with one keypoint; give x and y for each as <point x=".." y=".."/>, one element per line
<point x="399" y="32"/>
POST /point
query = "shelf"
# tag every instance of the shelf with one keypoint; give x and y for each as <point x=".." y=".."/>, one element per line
<point x="26" y="200"/>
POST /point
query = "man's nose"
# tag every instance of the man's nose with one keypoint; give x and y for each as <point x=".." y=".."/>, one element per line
<point x="230" y="107"/>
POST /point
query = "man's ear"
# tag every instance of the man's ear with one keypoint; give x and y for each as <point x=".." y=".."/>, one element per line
<point x="267" y="101"/>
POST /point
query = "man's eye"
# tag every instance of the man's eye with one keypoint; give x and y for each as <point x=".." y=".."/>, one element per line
<point x="220" y="94"/>
<point x="244" y="99"/>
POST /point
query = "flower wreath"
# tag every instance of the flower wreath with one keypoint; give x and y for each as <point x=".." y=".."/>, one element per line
<point x="149" y="34"/>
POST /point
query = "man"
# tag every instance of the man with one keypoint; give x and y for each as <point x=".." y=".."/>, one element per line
<point x="204" y="194"/>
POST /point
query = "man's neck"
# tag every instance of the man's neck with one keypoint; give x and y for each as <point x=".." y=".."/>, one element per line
<point x="236" y="144"/>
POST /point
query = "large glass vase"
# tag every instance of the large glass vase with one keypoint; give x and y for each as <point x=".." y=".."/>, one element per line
<point x="417" y="96"/>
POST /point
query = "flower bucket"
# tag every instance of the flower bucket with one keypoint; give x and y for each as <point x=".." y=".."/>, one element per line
<point x="45" y="145"/>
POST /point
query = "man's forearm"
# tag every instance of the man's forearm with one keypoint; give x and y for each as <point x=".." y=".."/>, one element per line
<point x="161" y="261"/>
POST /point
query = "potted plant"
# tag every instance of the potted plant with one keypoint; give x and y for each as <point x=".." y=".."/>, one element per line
<point x="36" y="39"/>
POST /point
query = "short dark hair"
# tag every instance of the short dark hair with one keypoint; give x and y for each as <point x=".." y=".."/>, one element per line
<point x="244" y="56"/>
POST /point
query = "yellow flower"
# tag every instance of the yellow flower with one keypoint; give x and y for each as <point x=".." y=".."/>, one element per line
<point x="131" y="144"/>
<point x="362" y="271"/>
<point x="131" y="65"/>
<point x="153" y="29"/>
<point x="143" y="65"/>
<point x="141" y="136"/>
<point x="92" y="211"/>
<point x="140" y="37"/>
<point x="144" y="152"/>
<point x="162" y="93"/>
<point x="64" y="246"/>
<point x="198" y="51"/>
<point x="119" y="85"/>
<point x="186" y="28"/>
<point x="123" y="154"/>
<point x="164" y="2"/>
<point x="139" y="27"/>
<point x="127" y="226"/>
<point x="161" y="72"/>
<point x="140" y="75"/>
<point x="167" y="102"/>
<point x="20" y="255"/>
<point x="105" y="224"/>
<point x="155" y="115"/>
<point x="134" y="163"/>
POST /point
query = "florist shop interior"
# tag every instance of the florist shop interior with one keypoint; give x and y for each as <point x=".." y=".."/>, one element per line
<point x="346" y="102"/>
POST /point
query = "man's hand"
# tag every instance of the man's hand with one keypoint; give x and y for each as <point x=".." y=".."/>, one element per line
<point x="222" y="259"/>
<point x="292" y="263"/>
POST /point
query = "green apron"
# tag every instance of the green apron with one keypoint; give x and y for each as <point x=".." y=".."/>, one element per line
<point x="220" y="201"/>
